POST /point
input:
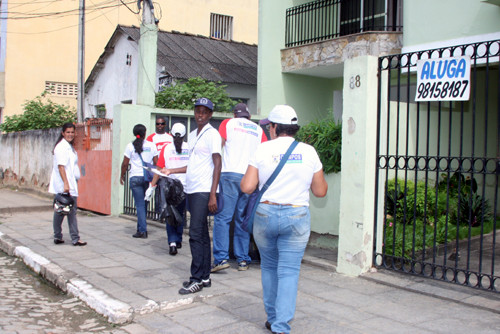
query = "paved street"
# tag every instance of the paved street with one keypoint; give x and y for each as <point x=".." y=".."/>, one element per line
<point x="28" y="304"/>
<point x="135" y="282"/>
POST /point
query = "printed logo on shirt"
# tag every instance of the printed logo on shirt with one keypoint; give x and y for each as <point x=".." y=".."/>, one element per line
<point x="184" y="155"/>
<point x="252" y="126"/>
<point x="160" y="146"/>
<point x="146" y="149"/>
<point x="250" y="132"/>
<point x="292" y="159"/>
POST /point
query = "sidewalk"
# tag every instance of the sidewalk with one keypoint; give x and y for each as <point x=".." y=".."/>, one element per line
<point x="134" y="282"/>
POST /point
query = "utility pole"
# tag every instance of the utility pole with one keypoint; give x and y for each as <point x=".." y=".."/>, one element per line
<point x="81" y="60"/>
<point x="146" y="72"/>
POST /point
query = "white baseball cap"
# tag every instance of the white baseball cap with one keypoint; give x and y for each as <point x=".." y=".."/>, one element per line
<point x="178" y="128"/>
<point x="281" y="114"/>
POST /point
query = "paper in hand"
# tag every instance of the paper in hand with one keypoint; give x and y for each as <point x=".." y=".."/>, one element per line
<point x="154" y="170"/>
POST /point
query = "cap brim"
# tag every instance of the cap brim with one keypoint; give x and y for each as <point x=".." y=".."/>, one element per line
<point x="242" y="113"/>
<point x="264" y="121"/>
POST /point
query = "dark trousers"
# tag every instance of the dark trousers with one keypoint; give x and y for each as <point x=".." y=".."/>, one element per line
<point x="199" y="239"/>
<point x="72" y="223"/>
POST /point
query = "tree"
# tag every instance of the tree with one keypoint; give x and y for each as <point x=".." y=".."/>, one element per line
<point x="183" y="95"/>
<point x="39" y="114"/>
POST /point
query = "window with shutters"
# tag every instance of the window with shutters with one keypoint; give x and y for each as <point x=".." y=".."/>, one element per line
<point x="221" y="26"/>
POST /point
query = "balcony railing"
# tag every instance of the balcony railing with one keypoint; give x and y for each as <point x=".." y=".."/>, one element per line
<point x="326" y="19"/>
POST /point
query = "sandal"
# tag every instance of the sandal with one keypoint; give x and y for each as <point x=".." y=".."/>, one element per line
<point x="79" y="243"/>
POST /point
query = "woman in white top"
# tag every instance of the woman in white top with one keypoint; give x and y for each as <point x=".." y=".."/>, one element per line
<point x="174" y="155"/>
<point x="136" y="153"/>
<point x="64" y="179"/>
<point x="282" y="223"/>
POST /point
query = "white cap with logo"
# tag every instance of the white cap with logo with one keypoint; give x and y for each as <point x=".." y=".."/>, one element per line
<point x="281" y="114"/>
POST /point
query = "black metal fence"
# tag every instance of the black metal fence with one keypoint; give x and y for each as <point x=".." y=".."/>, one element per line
<point x="326" y="19"/>
<point x="438" y="165"/>
<point x="129" y="203"/>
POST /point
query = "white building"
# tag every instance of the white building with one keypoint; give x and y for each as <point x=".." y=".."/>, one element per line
<point x="180" y="56"/>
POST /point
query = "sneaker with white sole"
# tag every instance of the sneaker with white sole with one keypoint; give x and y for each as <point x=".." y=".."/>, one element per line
<point x="192" y="287"/>
<point x="220" y="266"/>
<point x="243" y="265"/>
<point x="205" y="282"/>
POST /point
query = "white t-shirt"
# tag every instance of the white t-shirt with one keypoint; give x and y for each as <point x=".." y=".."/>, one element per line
<point x="64" y="155"/>
<point x="292" y="184"/>
<point x="201" y="166"/>
<point x="242" y="138"/>
<point x="160" y="140"/>
<point x="148" y="153"/>
<point x="171" y="159"/>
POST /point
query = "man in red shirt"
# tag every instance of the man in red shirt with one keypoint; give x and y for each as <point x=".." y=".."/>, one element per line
<point x="240" y="138"/>
<point x="161" y="137"/>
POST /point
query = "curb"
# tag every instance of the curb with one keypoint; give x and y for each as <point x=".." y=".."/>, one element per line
<point x="12" y="210"/>
<point x="485" y="300"/>
<point x="114" y="310"/>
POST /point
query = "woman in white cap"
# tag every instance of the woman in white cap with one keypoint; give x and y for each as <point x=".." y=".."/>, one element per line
<point x="282" y="223"/>
<point x="174" y="155"/>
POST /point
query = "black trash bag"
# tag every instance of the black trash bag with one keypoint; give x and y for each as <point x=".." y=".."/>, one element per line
<point x="173" y="218"/>
<point x="171" y="195"/>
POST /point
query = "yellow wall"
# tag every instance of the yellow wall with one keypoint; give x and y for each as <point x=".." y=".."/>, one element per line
<point x="46" y="49"/>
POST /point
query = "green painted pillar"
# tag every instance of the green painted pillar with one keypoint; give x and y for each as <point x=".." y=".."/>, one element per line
<point x="146" y="72"/>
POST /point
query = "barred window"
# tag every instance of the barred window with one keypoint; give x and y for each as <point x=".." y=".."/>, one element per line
<point x="61" y="88"/>
<point x="100" y="111"/>
<point x="221" y="26"/>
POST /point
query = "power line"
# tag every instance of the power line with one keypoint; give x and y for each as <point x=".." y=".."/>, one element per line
<point x="58" y="29"/>
<point x="129" y="8"/>
<point x="59" y="14"/>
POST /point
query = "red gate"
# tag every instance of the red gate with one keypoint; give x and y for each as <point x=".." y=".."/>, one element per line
<point x="93" y="143"/>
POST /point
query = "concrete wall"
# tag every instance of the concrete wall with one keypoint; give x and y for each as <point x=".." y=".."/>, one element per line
<point x="428" y="21"/>
<point x="116" y="82"/>
<point x="311" y="97"/>
<point x="324" y="210"/>
<point x="244" y="91"/>
<point x="26" y="158"/>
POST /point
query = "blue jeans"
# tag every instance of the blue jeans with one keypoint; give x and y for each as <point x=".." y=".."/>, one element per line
<point x="199" y="239"/>
<point x="235" y="202"/>
<point x="281" y="234"/>
<point x="138" y="187"/>
<point x="174" y="234"/>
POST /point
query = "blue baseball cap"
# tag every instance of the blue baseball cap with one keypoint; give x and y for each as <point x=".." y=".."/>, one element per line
<point x="203" y="101"/>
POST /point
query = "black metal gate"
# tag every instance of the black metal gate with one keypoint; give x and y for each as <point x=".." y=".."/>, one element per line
<point x="438" y="164"/>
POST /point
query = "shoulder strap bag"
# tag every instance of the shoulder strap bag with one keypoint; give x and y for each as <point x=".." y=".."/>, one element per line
<point x="148" y="176"/>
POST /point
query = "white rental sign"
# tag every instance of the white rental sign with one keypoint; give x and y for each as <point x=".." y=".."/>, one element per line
<point x="443" y="79"/>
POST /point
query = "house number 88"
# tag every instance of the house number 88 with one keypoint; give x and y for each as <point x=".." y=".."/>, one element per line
<point x="355" y="82"/>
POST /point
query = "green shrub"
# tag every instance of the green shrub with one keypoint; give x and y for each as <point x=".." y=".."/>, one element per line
<point x="39" y="114"/>
<point x="326" y="137"/>
<point x="418" y="218"/>
<point x="183" y="95"/>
